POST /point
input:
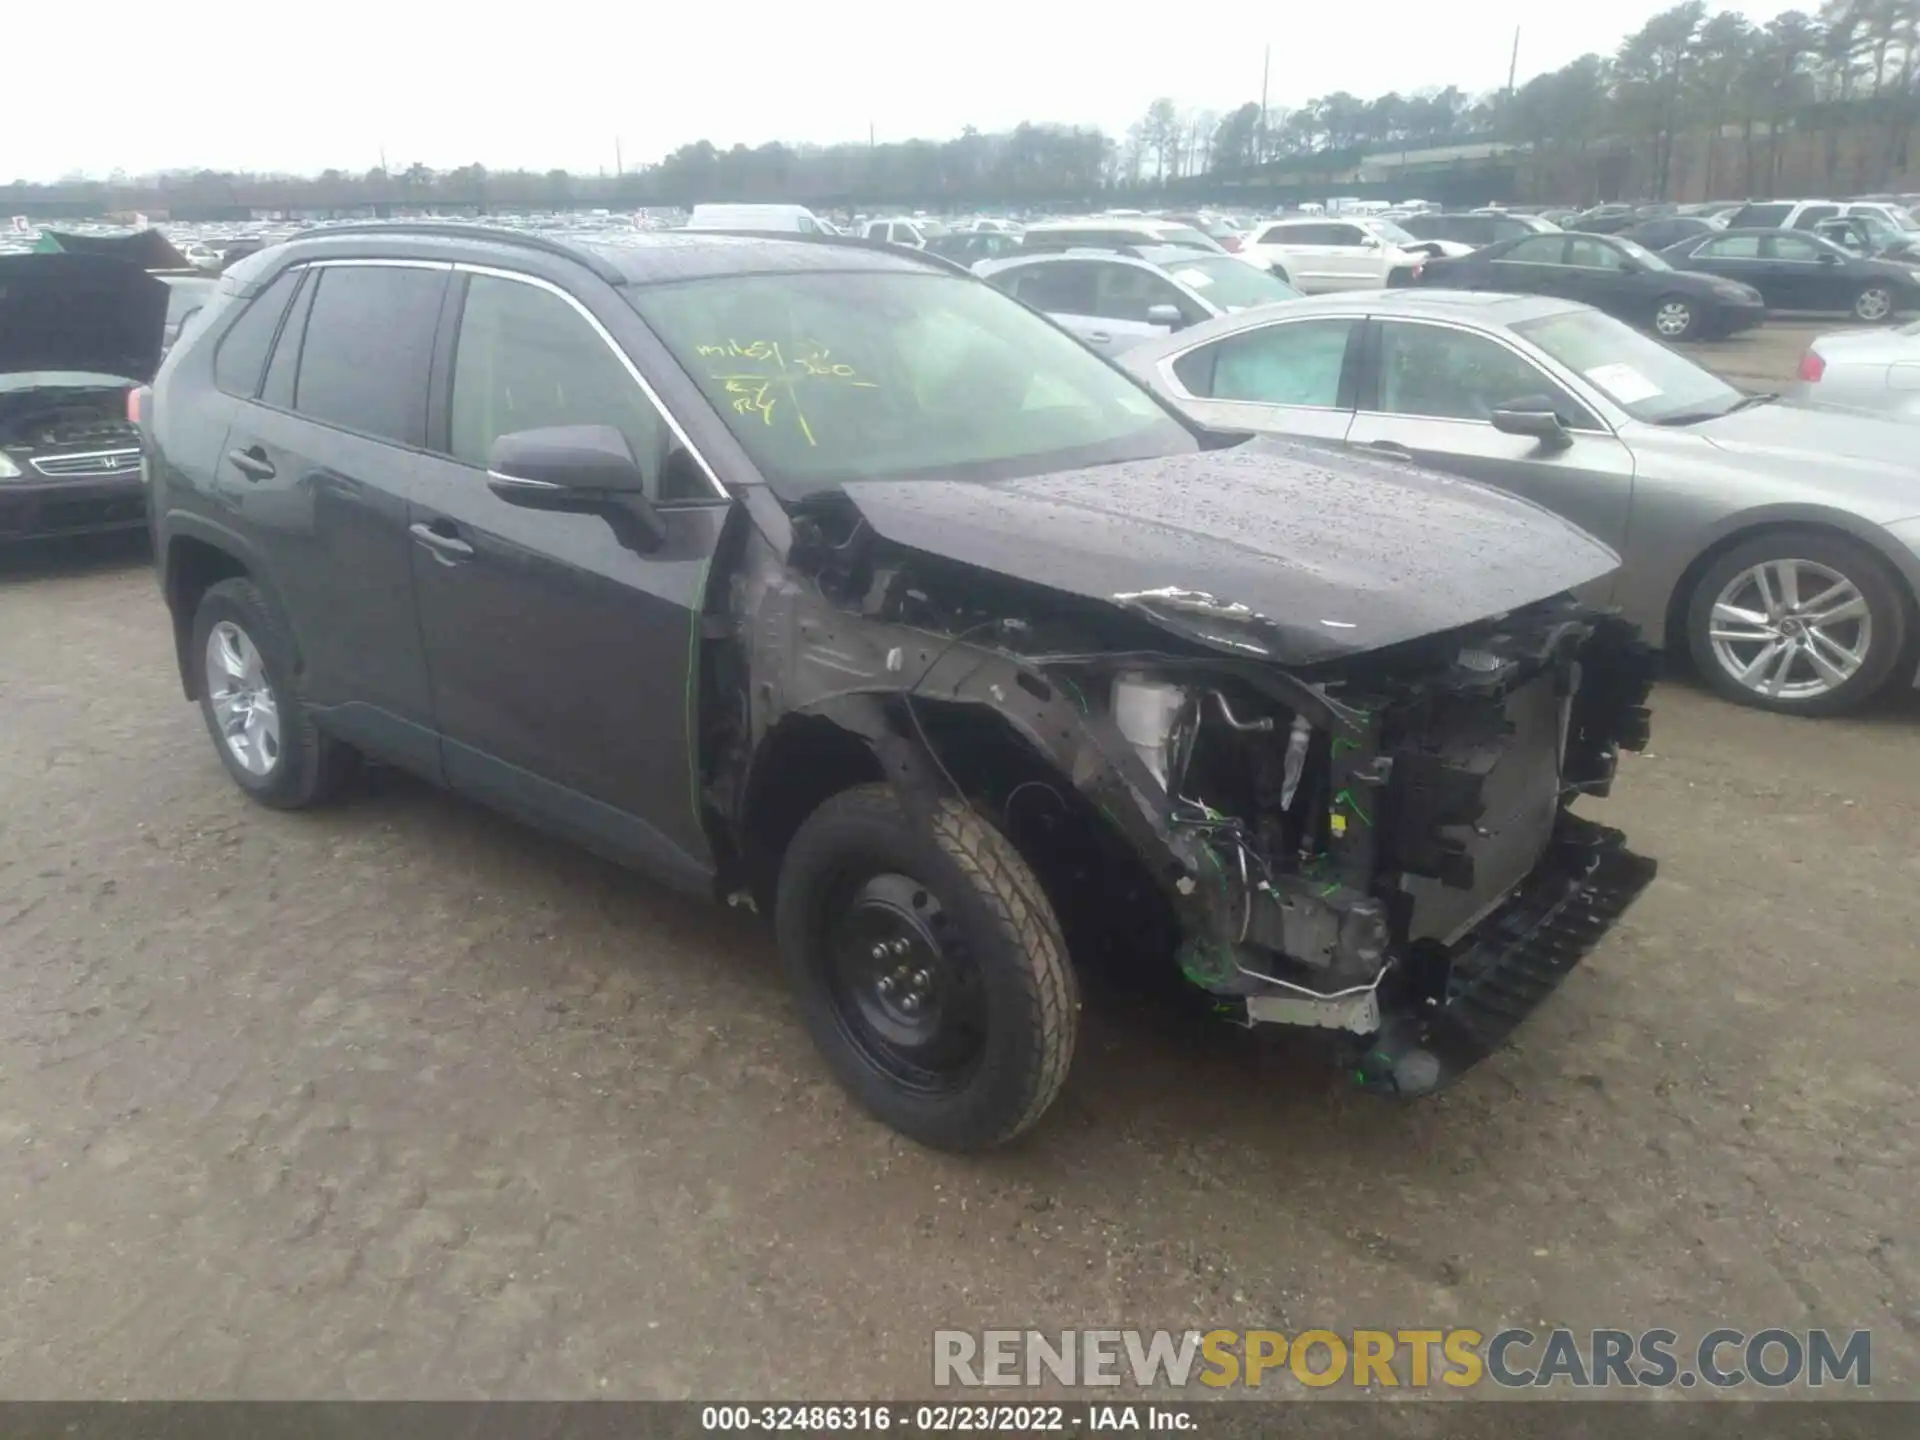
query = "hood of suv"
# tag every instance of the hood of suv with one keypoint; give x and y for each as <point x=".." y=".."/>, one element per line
<point x="1289" y="551"/>
<point x="80" y="312"/>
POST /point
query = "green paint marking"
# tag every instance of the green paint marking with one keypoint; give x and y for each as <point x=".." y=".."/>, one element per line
<point x="1345" y="797"/>
<point x="1339" y="745"/>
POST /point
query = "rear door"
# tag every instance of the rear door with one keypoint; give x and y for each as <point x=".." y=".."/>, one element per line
<point x="1290" y="377"/>
<point x="321" y="467"/>
<point x="1427" y="393"/>
<point x="559" y="649"/>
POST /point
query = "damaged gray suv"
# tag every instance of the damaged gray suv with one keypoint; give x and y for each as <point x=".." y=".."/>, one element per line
<point x="825" y="577"/>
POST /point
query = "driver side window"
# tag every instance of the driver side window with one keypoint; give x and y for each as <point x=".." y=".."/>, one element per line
<point x="1128" y="292"/>
<point x="1445" y="374"/>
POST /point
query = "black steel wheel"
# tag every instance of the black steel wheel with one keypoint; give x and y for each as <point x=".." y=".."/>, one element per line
<point x="928" y="966"/>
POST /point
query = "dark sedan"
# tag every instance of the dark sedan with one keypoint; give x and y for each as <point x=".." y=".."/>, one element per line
<point x="1665" y="230"/>
<point x="1794" y="270"/>
<point x="1626" y="280"/>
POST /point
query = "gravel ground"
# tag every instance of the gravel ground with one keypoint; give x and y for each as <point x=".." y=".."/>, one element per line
<point x="400" y="1099"/>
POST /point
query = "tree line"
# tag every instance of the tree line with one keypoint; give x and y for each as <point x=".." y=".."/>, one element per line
<point x="1709" y="104"/>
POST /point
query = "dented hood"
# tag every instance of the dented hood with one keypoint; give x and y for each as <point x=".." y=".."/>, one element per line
<point x="80" y="312"/>
<point x="1297" y="553"/>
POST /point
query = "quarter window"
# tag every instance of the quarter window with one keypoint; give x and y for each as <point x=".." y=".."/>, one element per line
<point x="1447" y="374"/>
<point x="527" y="360"/>
<point x="1298" y="363"/>
<point x="369" y="341"/>
<point x="242" y="355"/>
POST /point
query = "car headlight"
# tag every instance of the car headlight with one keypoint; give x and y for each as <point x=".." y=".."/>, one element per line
<point x="8" y="470"/>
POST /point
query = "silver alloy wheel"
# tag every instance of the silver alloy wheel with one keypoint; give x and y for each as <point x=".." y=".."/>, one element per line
<point x="1673" y="318"/>
<point x="243" y="702"/>
<point x="1791" y="629"/>
<point x="1874" y="304"/>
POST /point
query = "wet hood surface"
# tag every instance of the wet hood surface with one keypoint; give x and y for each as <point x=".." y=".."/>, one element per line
<point x="80" y="312"/>
<point x="1293" y="552"/>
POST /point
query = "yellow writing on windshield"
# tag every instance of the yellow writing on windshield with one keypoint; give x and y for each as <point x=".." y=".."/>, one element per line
<point x="760" y="387"/>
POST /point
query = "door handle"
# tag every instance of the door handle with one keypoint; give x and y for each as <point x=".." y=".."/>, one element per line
<point x="1391" y="447"/>
<point x="447" y="547"/>
<point x="1099" y="337"/>
<point x="252" y="463"/>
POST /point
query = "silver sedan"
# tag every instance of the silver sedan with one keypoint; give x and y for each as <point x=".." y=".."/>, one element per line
<point x="1875" y="370"/>
<point x="1778" y="545"/>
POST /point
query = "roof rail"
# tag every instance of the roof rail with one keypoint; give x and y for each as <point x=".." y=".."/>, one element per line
<point x="848" y="242"/>
<point x="457" y="230"/>
<point x="1130" y="248"/>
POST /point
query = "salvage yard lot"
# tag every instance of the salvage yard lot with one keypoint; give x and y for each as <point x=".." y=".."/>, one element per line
<point x="398" y="1098"/>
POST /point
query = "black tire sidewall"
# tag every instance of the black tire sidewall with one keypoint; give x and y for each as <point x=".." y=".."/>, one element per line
<point x="1885" y="601"/>
<point x="294" y="778"/>
<point x="868" y="828"/>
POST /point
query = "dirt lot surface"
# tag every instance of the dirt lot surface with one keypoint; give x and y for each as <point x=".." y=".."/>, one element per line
<point x="399" y="1099"/>
<point x="1765" y="359"/>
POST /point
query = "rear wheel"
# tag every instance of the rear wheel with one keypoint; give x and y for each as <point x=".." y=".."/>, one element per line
<point x="929" y="968"/>
<point x="1798" y="622"/>
<point x="264" y="735"/>
<point x="1873" y="304"/>
<point x="1674" y="318"/>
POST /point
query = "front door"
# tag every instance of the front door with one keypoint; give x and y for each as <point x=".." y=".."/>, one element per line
<point x="1430" y="396"/>
<point x="559" y="654"/>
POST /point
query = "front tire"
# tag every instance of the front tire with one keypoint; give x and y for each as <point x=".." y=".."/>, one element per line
<point x="1799" y="622"/>
<point x="263" y="734"/>
<point x="1874" y="304"/>
<point x="929" y="968"/>
<point x="1675" y="318"/>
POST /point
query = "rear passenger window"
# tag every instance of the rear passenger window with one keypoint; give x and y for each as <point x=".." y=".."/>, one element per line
<point x="369" y="340"/>
<point x="243" y="349"/>
<point x="1298" y="363"/>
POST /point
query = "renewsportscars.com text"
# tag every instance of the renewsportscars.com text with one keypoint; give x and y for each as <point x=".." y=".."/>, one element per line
<point x="1412" y="1359"/>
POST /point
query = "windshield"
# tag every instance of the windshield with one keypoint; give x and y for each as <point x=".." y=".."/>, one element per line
<point x="1640" y="252"/>
<point x="1189" y="238"/>
<point x="1389" y="231"/>
<point x="1904" y="218"/>
<point x="1640" y="375"/>
<point x="1231" y="284"/>
<point x="829" y="377"/>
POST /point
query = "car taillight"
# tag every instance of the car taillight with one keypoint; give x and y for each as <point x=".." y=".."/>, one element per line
<point x="1812" y="367"/>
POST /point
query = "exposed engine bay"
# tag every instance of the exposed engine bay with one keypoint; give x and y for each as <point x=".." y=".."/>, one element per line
<point x="66" y="417"/>
<point x="1378" y="844"/>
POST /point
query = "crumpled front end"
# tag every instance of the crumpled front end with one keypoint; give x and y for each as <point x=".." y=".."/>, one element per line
<point x="1389" y="851"/>
<point x="1379" y="844"/>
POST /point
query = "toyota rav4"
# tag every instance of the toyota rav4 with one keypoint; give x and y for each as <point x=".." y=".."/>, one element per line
<point x="824" y="577"/>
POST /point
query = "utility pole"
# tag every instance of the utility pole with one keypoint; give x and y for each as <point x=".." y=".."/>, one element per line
<point x="619" y="169"/>
<point x="869" y="134"/>
<point x="1260" y="141"/>
<point x="1513" y="65"/>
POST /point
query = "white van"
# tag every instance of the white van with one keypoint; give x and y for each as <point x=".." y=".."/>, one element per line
<point x="767" y="219"/>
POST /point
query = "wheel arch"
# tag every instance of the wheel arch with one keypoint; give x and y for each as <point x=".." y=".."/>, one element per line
<point x="1778" y="520"/>
<point x="198" y="555"/>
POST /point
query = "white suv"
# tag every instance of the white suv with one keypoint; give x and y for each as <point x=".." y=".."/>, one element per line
<point x="1317" y="253"/>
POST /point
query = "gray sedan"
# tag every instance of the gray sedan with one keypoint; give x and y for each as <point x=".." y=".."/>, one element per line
<point x="1779" y="545"/>
<point x="1876" y="370"/>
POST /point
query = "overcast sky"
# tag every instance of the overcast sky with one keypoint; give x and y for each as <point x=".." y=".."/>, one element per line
<point x="555" y="82"/>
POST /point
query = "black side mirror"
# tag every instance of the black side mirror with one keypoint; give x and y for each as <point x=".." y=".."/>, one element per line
<point x="1827" y="257"/>
<point x="1538" y="423"/>
<point x="1167" y="315"/>
<point x="577" y="470"/>
<point x="1629" y="266"/>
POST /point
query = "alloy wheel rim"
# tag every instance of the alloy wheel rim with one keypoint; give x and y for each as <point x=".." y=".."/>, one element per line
<point x="1791" y="629"/>
<point x="1673" y="319"/>
<point x="1873" y="305"/>
<point x="244" y="705"/>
